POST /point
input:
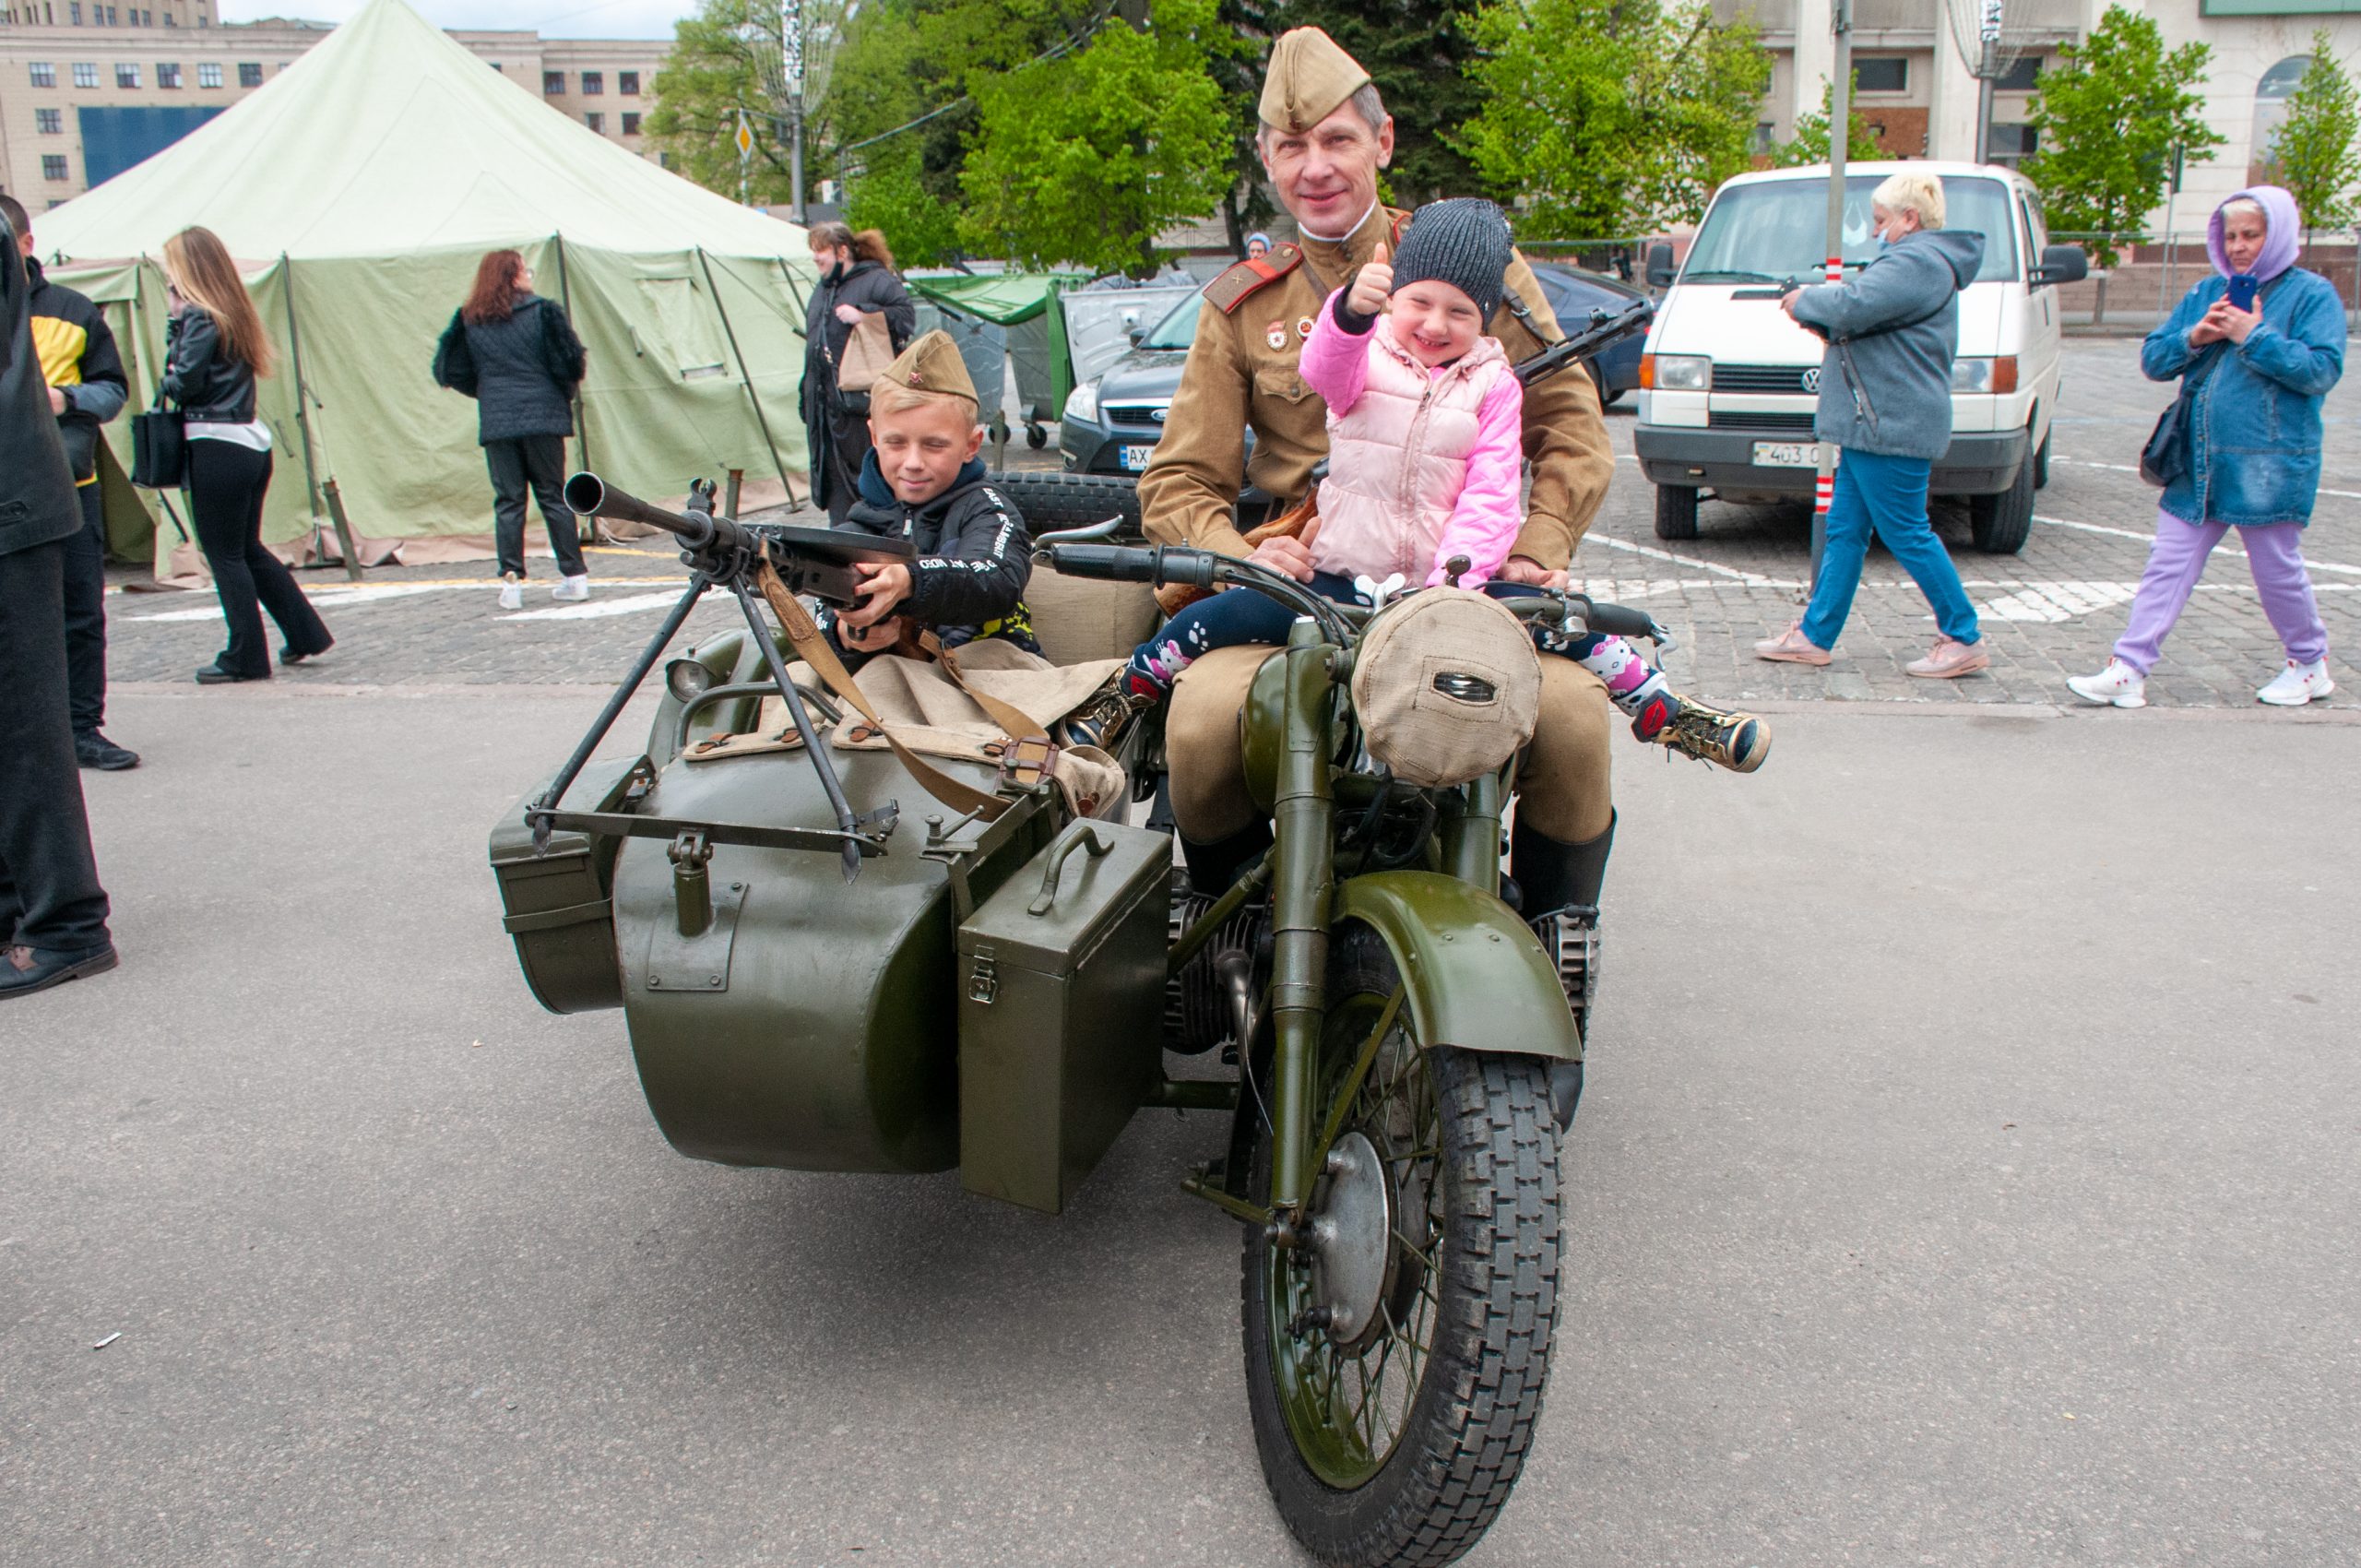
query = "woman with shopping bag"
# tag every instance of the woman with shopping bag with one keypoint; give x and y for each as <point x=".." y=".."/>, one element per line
<point x="860" y="319"/>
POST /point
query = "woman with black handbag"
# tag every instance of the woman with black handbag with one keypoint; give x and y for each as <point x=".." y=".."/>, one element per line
<point x="2255" y="351"/>
<point x="857" y="283"/>
<point x="214" y="349"/>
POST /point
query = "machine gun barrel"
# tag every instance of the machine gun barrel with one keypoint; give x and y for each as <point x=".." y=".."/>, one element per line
<point x="1603" y="330"/>
<point x="591" y="496"/>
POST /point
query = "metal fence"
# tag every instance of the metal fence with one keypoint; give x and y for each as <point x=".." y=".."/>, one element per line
<point x="2152" y="271"/>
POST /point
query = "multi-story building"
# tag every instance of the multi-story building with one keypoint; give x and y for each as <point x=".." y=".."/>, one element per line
<point x="1916" y="90"/>
<point x="87" y="88"/>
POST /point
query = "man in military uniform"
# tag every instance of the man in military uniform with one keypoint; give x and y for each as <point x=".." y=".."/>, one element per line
<point x="1325" y="135"/>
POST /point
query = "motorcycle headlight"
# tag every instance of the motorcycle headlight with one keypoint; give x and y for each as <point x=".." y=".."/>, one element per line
<point x="1676" y="372"/>
<point x="1083" y="403"/>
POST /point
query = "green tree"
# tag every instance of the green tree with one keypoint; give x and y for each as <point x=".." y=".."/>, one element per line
<point x="1810" y="142"/>
<point x="2108" y="115"/>
<point x="1611" y="117"/>
<point x="712" y="77"/>
<point x="1087" y="157"/>
<point x="2318" y="153"/>
<point x="1418" y="53"/>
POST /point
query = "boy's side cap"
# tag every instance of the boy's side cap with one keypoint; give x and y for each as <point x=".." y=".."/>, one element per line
<point x="932" y="365"/>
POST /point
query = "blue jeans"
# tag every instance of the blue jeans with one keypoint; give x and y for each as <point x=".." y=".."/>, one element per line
<point x="1888" y="495"/>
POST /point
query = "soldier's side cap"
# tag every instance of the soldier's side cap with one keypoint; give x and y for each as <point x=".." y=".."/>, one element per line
<point x="932" y="365"/>
<point x="1309" y="79"/>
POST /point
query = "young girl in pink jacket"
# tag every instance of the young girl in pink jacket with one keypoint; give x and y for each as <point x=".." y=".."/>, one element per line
<point x="1425" y="465"/>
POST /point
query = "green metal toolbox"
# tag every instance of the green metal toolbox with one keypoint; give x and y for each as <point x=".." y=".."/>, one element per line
<point x="1060" y="1012"/>
<point x="557" y="898"/>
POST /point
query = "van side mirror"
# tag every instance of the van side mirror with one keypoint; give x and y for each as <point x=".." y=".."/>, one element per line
<point x="1660" y="269"/>
<point x="1135" y="334"/>
<point x="2060" y="264"/>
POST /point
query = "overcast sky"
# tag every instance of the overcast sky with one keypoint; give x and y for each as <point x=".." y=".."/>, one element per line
<point x="552" y="18"/>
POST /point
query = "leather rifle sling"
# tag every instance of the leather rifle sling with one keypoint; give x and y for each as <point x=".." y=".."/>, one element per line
<point x="812" y="646"/>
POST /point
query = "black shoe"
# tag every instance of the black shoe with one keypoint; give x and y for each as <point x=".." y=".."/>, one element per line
<point x="94" y="750"/>
<point x="24" y="970"/>
<point x="214" y="675"/>
<point x="1102" y="719"/>
<point x="287" y="655"/>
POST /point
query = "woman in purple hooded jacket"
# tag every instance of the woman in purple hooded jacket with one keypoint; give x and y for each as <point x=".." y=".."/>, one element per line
<point x="2254" y="378"/>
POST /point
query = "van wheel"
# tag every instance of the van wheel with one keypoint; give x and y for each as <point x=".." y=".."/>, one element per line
<point x="1608" y="399"/>
<point x="1676" y="511"/>
<point x="2000" y="523"/>
<point x="2041" y="463"/>
<point x="1052" y="501"/>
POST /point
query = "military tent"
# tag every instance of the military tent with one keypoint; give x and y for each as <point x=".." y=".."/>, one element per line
<point x="358" y="190"/>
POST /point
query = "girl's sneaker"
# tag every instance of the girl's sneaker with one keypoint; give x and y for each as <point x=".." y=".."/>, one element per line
<point x="573" y="589"/>
<point x="512" y="591"/>
<point x="2297" y="684"/>
<point x="1735" y="741"/>
<point x="1102" y="719"/>
<point x="2117" y="685"/>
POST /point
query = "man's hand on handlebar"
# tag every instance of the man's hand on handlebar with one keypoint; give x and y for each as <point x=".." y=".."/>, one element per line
<point x="1531" y="573"/>
<point x="883" y="586"/>
<point x="1291" y="556"/>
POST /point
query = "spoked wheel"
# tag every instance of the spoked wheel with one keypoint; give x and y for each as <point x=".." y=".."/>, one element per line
<point x="1395" y="1363"/>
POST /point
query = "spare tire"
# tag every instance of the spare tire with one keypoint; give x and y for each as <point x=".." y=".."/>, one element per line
<point x="1052" y="502"/>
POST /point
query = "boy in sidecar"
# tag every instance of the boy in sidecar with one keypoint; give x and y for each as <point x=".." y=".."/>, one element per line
<point x="924" y="482"/>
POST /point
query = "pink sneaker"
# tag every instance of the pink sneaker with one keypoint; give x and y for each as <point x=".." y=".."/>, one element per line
<point x="1791" y="646"/>
<point x="1948" y="660"/>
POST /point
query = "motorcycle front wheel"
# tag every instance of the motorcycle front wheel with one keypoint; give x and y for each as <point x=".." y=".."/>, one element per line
<point x="1395" y="1361"/>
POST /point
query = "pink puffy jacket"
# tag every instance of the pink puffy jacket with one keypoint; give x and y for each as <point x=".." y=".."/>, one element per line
<point x="1423" y="465"/>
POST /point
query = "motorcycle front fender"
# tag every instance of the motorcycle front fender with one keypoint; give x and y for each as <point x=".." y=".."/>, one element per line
<point x="1474" y="975"/>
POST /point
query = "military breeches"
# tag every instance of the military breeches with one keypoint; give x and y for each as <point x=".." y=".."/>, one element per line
<point x="1562" y="786"/>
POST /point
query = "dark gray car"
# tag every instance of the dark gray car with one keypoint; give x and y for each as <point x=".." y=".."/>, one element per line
<point x="1112" y="423"/>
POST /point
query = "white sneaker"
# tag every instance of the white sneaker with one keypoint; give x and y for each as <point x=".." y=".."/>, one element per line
<point x="2117" y="685"/>
<point x="573" y="589"/>
<point x="2297" y="684"/>
<point x="512" y="593"/>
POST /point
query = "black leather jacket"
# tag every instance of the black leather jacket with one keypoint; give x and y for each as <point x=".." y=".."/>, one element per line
<point x="206" y="384"/>
<point x="37" y="501"/>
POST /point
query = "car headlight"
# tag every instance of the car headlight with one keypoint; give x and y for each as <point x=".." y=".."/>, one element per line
<point x="1985" y="374"/>
<point x="1083" y="403"/>
<point x="1676" y="373"/>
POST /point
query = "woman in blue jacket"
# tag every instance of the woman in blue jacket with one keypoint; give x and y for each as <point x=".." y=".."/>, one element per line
<point x="2254" y="380"/>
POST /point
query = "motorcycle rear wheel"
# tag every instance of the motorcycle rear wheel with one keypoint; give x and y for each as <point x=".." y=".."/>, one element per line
<point x="1395" y="1441"/>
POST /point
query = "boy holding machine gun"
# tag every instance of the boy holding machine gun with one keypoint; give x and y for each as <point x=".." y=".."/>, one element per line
<point x="924" y="482"/>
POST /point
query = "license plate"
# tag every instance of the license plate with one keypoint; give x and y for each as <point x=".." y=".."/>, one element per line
<point x="1134" y="458"/>
<point x="1787" y="455"/>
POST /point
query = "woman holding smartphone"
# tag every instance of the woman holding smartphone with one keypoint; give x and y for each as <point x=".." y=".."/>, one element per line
<point x="214" y="349"/>
<point x="2256" y="351"/>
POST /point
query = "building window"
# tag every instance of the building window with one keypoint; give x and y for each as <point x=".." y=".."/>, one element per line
<point x="2023" y="77"/>
<point x="1881" y="73"/>
<point x="50" y="121"/>
<point x="209" y="76"/>
<point x="86" y="73"/>
<point x="552" y="84"/>
<point x="627" y="84"/>
<point x="630" y="123"/>
<point x="595" y="119"/>
<point x="127" y="73"/>
<point x="1765" y="135"/>
<point x="53" y="166"/>
<point x="110" y="18"/>
<point x="74" y="12"/>
<point x="663" y="160"/>
<point x="593" y="83"/>
<point x="168" y="75"/>
<point x="43" y="73"/>
<point x="249" y="73"/>
<point x="170" y="21"/>
<point x="2009" y="144"/>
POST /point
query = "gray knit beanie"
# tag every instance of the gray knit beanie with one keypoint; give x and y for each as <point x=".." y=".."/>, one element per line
<point x="1463" y="243"/>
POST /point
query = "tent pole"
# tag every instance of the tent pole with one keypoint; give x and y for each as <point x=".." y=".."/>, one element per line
<point x="565" y="303"/>
<point x="743" y="379"/>
<point x="303" y="423"/>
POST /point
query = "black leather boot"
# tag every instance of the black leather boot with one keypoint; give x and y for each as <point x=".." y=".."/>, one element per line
<point x="1213" y="867"/>
<point x="1557" y="887"/>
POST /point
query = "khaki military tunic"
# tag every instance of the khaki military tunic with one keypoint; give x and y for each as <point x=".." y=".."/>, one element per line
<point x="1242" y="371"/>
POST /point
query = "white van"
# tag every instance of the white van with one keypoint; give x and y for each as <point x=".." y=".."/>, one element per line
<point x="1728" y="382"/>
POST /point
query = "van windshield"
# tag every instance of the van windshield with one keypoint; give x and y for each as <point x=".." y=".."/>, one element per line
<point x="1775" y="230"/>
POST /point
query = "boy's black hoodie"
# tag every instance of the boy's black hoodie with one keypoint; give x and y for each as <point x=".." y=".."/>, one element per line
<point x="974" y="556"/>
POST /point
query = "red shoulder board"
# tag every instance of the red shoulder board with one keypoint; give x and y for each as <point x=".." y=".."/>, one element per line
<point x="1231" y="288"/>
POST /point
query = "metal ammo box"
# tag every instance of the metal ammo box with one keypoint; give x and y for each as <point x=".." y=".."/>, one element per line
<point x="557" y="899"/>
<point x="1060" y="1012"/>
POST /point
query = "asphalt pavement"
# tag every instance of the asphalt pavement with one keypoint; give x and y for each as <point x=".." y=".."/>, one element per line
<point x="1966" y="1177"/>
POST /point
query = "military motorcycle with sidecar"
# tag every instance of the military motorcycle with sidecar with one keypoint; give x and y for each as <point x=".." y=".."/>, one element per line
<point x="811" y="983"/>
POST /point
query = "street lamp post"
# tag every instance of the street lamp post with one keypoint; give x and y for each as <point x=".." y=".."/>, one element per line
<point x="772" y="33"/>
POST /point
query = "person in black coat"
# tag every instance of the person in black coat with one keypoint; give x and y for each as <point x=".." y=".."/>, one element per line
<point x="214" y="349"/>
<point x="856" y="279"/>
<point x="516" y="355"/>
<point x="52" y="911"/>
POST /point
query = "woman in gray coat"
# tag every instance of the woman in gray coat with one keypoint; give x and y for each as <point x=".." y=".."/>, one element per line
<point x="516" y="355"/>
<point x="1885" y="400"/>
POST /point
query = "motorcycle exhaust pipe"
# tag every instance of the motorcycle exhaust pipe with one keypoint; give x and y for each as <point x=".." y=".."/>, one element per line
<point x="591" y="496"/>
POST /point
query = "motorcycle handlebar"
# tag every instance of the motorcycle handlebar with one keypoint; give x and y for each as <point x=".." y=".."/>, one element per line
<point x="1160" y="565"/>
<point x="1621" y="619"/>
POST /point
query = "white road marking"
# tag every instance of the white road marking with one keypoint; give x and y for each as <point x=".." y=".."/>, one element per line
<point x="599" y="608"/>
<point x="1752" y="579"/>
<point x="352" y="596"/>
<point x="2134" y="468"/>
<point x="2239" y="549"/>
